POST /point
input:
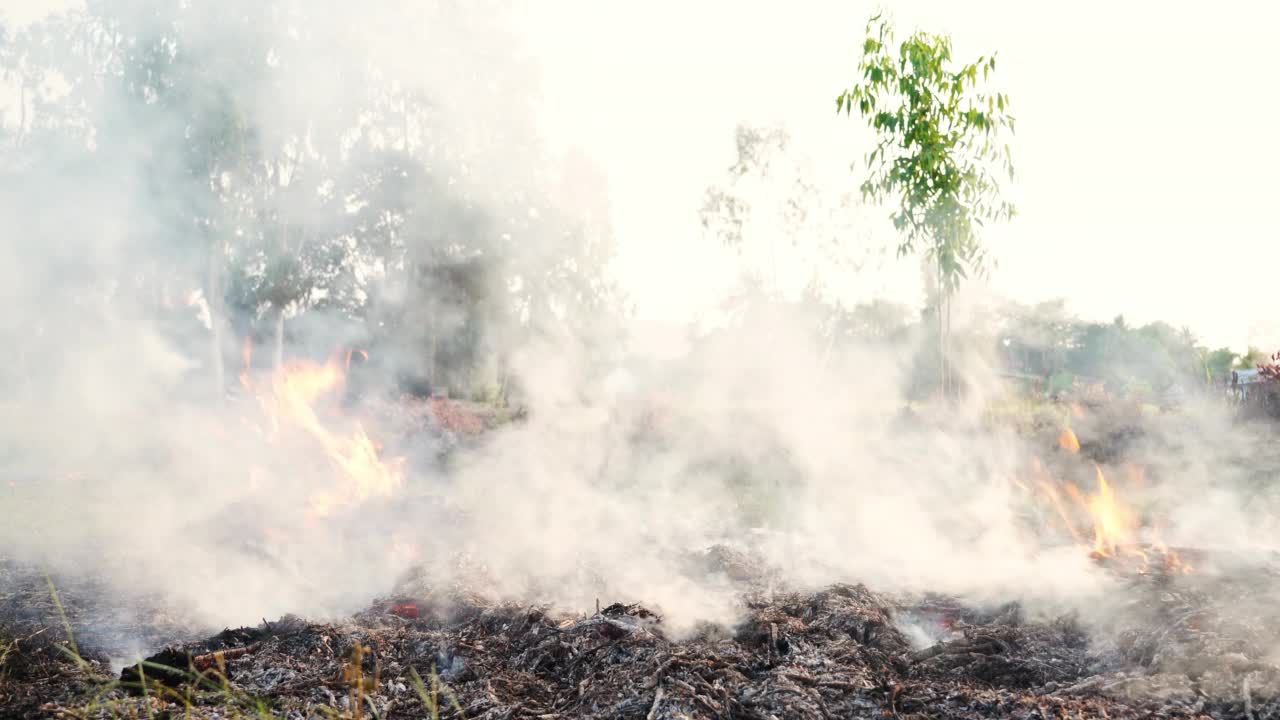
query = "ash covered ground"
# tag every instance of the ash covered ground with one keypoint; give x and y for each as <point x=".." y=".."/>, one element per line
<point x="1181" y="633"/>
<point x="1187" y="646"/>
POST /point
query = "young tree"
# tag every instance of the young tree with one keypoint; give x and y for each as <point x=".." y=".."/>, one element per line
<point x="1218" y="364"/>
<point x="938" y="142"/>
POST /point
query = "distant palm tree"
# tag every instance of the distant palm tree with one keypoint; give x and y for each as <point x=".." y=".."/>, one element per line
<point x="1251" y="360"/>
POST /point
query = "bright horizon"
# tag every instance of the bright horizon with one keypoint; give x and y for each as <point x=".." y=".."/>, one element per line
<point x="1143" y="148"/>
<point x="1143" y="173"/>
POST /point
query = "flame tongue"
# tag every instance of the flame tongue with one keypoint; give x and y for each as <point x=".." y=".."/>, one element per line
<point x="1116" y="526"/>
<point x="357" y="456"/>
<point x="1113" y="524"/>
<point x="1067" y="441"/>
<point x="293" y="404"/>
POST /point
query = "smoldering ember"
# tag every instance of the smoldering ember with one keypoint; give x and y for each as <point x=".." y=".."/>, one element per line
<point x="511" y="359"/>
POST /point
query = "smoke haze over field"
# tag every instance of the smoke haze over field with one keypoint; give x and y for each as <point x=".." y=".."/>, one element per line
<point x="1101" y="193"/>
<point x="371" y="143"/>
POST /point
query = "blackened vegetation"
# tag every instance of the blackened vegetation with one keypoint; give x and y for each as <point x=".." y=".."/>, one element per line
<point x="40" y="661"/>
<point x="175" y="667"/>
<point x="1176" y="647"/>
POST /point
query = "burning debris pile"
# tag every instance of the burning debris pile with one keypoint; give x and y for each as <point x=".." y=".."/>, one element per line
<point x="1117" y="532"/>
<point x="1185" y="633"/>
<point x="190" y="173"/>
<point x="305" y="406"/>
<point x="1185" y="649"/>
<point x="291" y="411"/>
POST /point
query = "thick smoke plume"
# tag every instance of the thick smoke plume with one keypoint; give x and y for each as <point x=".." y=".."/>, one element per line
<point x="382" y="141"/>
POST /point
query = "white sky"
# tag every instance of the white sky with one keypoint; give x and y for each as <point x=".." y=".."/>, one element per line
<point x="21" y="12"/>
<point x="1145" y="151"/>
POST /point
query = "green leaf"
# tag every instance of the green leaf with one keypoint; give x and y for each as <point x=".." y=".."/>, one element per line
<point x="942" y="130"/>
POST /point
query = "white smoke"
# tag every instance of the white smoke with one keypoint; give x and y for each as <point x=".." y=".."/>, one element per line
<point x="770" y="438"/>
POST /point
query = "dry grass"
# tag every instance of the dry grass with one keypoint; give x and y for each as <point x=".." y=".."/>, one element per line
<point x="209" y="693"/>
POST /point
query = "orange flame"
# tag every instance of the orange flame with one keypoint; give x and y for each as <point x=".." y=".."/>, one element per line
<point x="293" y="402"/>
<point x="1116" y="526"/>
<point x="1113" y="524"/>
<point x="1067" y="441"/>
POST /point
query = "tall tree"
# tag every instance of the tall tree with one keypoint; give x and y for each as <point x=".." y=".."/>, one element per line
<point x="242" y="148"/>
<point x="938" y="143"/>
<point x="776" y="216"/>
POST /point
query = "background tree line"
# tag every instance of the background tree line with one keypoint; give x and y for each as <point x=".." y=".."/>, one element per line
<point x="1044" y="340"/>
<point x="241" y="150"/>
<point x="1042" y="345"/>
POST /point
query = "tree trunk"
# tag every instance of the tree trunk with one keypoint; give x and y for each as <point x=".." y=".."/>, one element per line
<point x="946" y="347"/>
<point x="942" y="334"/>
<point x="278" y="356"/>
<point x="213" y="297"/>
<point x="433" y="327"/>
<point x="22" y="108"/>
<point x="502" y="378"/>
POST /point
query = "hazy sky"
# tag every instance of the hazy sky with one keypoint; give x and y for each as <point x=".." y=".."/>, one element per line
<point x="1145" y="147"/>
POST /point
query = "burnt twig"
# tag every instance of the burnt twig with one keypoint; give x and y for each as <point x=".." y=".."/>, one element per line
<point x="657" y="700"/>
<point x="982" y="644"/>
<point x="218" y="658"/>
<point x="1247" y="692"/>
